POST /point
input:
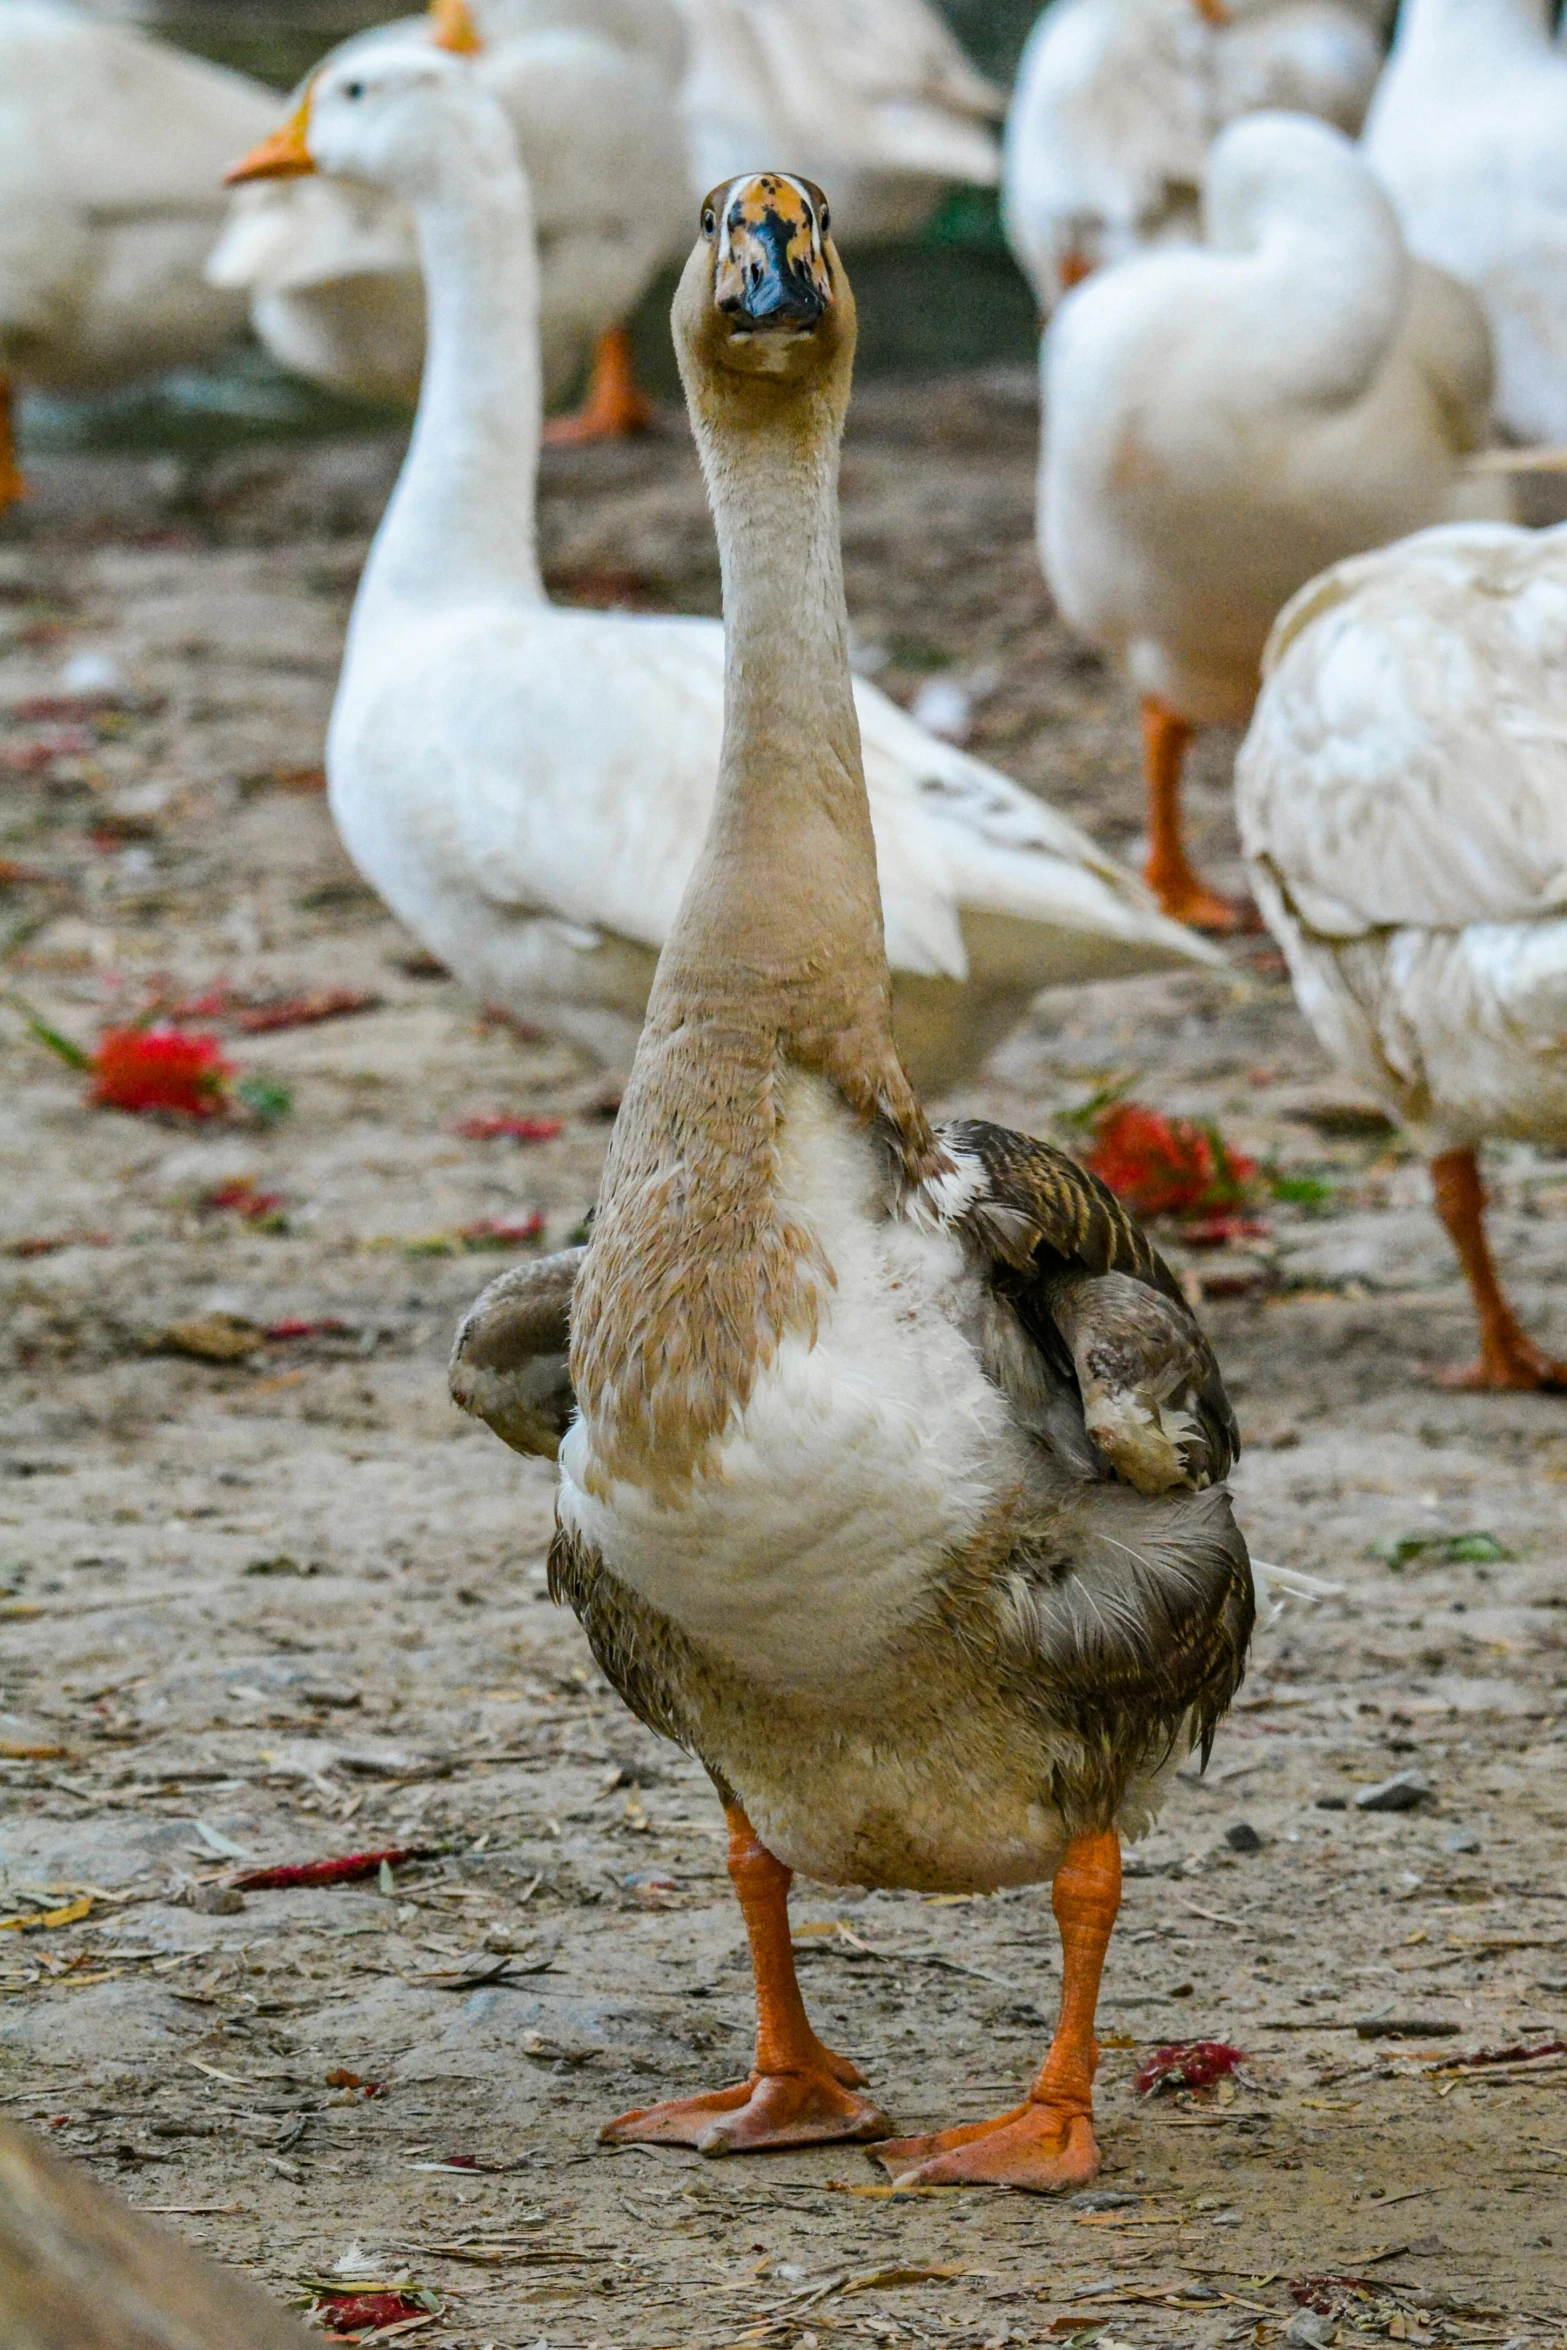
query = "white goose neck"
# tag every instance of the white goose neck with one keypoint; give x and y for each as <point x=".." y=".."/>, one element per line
<point x="462" y="521"/>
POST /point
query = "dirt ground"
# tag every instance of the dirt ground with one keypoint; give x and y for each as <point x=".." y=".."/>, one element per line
<point x="291" y="1605"/>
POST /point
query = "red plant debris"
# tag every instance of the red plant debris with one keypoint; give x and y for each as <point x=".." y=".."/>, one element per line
<point x="1326" y="2294"/>
<point x="148" y="1070"/>
<point x="346" y="1871"/>
<point x="1221" y="1229"/>
<point x="38" y="756"/>
<point x="303" y="1011"/>
<point x="1196" y="2064"/>
<point x="241" y="1198"/>
<point x="15" y="875"/>
<point x="355" y="2313"/>
<point x="44" y="1244"/>
<point x="69" y="709"/>
<point x="1166" y="1166"/>
<point x="1484" y="2056"/>
<point x="280" y="1333"/>
<point x="488" y="1233"/>
<point x="512" y="1129"/>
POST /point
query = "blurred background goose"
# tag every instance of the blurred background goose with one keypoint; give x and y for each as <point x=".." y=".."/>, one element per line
<point x="112" y="150"/>
<point x="588" y="86"/>
<point x="1469" y="133"/>
<point x="1403" y="806"/>
<point x="872" y="98"/>
<point x="527" y="786"/>
<point x="1118" y="101"/>
<point x="1221" y="422"/>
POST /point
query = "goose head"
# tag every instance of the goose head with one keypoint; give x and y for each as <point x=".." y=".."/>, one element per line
<point x="764" y="300"/>
<point x="382" y="110"/>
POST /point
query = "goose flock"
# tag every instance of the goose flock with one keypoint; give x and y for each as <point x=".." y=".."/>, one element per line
<point x="893" y="1462"/>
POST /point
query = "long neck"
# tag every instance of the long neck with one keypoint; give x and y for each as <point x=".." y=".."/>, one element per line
<point x="781" y="923"/>
<point x="461" y="522"/>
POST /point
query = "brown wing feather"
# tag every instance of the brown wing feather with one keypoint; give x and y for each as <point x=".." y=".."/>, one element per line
<point x="1094" y="1295"/>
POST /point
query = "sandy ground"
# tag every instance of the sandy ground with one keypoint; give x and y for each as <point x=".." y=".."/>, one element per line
<point x="291" y="1605"/>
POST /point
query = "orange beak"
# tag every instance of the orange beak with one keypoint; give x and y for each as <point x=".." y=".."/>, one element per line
<point x="283" y="156"/>
<point x="454" y="27"/>
<point x="1213" y="11"/>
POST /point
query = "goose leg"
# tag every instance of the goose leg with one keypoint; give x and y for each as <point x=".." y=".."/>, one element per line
<point x="1047" y="2143"/>
<point x="12" y="485"/>
<point x="1508" y="1356"/>
<point x="1168" y="871"/>
<point x="616" y="406"/>
<point x="798" y="2093"/>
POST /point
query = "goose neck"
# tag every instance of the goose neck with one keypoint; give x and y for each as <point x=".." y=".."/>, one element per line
<point x="786" y="890"/>
<point x="462" y="520"/>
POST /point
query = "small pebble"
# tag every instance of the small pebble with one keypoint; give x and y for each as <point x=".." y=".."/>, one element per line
<point x="1103" y="2199"/>
<point x="1243" y="1837"/>
<point x="1332" y="1803"/>
<point x="218" y="1901"/>
<point x="1461" y="1840"/>
<point x="1405" y="1791"/>
<point x="1308" y="2330"/>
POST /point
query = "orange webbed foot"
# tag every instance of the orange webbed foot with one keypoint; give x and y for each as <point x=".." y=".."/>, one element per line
<point x="1038" y="2147"/>
<point x="1519" y="1367"/>
<point x="1201" y="908"/>
<point x="616" y="407"/>
<point x="815" y="2108"/>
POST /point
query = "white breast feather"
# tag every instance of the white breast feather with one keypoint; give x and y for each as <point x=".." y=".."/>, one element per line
<point x="860" y="1463"/>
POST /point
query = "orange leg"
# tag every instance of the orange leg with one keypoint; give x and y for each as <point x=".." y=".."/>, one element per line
<point x="1046" y="2143"/>
<point x="1508" y="1357"/>
<point x="798" y="2093"/>
<point x="12" y="485"/>
<point x="1168" y="871"/>
<point x="615" y="407"/>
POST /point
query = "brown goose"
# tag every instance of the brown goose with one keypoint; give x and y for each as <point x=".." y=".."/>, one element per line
<point x="894" y="1486"/>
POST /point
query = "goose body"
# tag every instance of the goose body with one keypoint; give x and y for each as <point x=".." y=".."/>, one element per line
<point x="1403" y="805"/>
<point x="112" y="150"/>
<point x="894" y="1487"/>
<point x="331" y="272"/>
<point x="873" y="98"/>
<point x="1224" y="421"/>
<point x="527" y="786"/>
<point x="1469" y="134"/>
<point x="1117" y="103"/>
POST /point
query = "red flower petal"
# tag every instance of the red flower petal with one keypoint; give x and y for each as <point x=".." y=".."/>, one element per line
<point x="151" y="1069"/>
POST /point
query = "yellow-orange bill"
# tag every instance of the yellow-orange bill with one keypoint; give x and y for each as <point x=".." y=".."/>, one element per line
<point x="284" y="155"/>
<point x="454" y="27"/>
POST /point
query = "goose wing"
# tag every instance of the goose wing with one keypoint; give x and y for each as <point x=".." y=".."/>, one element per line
<point x="1135" y="1595"/>
<point x="1089" y="1304"/>
<point x="620" y="719"/>
<point x="1405" y="764"/>
<point x="511" y="1359"/>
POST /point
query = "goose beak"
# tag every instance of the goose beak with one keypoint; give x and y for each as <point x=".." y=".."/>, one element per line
<point x="454" y="28"/>
<point x="771" y="275"/>
<point x="1212" y="12"/>
<point x="283" y="156"/>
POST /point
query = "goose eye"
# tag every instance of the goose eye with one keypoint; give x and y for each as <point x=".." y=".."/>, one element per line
<point x="353" y="89"/>
<point x="709" y="221"/>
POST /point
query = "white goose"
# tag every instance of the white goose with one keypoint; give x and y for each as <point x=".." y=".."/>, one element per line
<point x="588" y="86"/>
<point x="112" y="150"/>
<point x="1224" y="421"/>
<point x="1118" y="101"/>
<point x="1403" y="807"/>
<point x="527" y="786"/>
<point x="1469" y="132"/>
<point x="874" y="98"/>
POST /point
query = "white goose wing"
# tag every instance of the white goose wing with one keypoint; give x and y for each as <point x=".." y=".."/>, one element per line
<point x="1407" y="764"/>
<point x="621" y="721"/>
